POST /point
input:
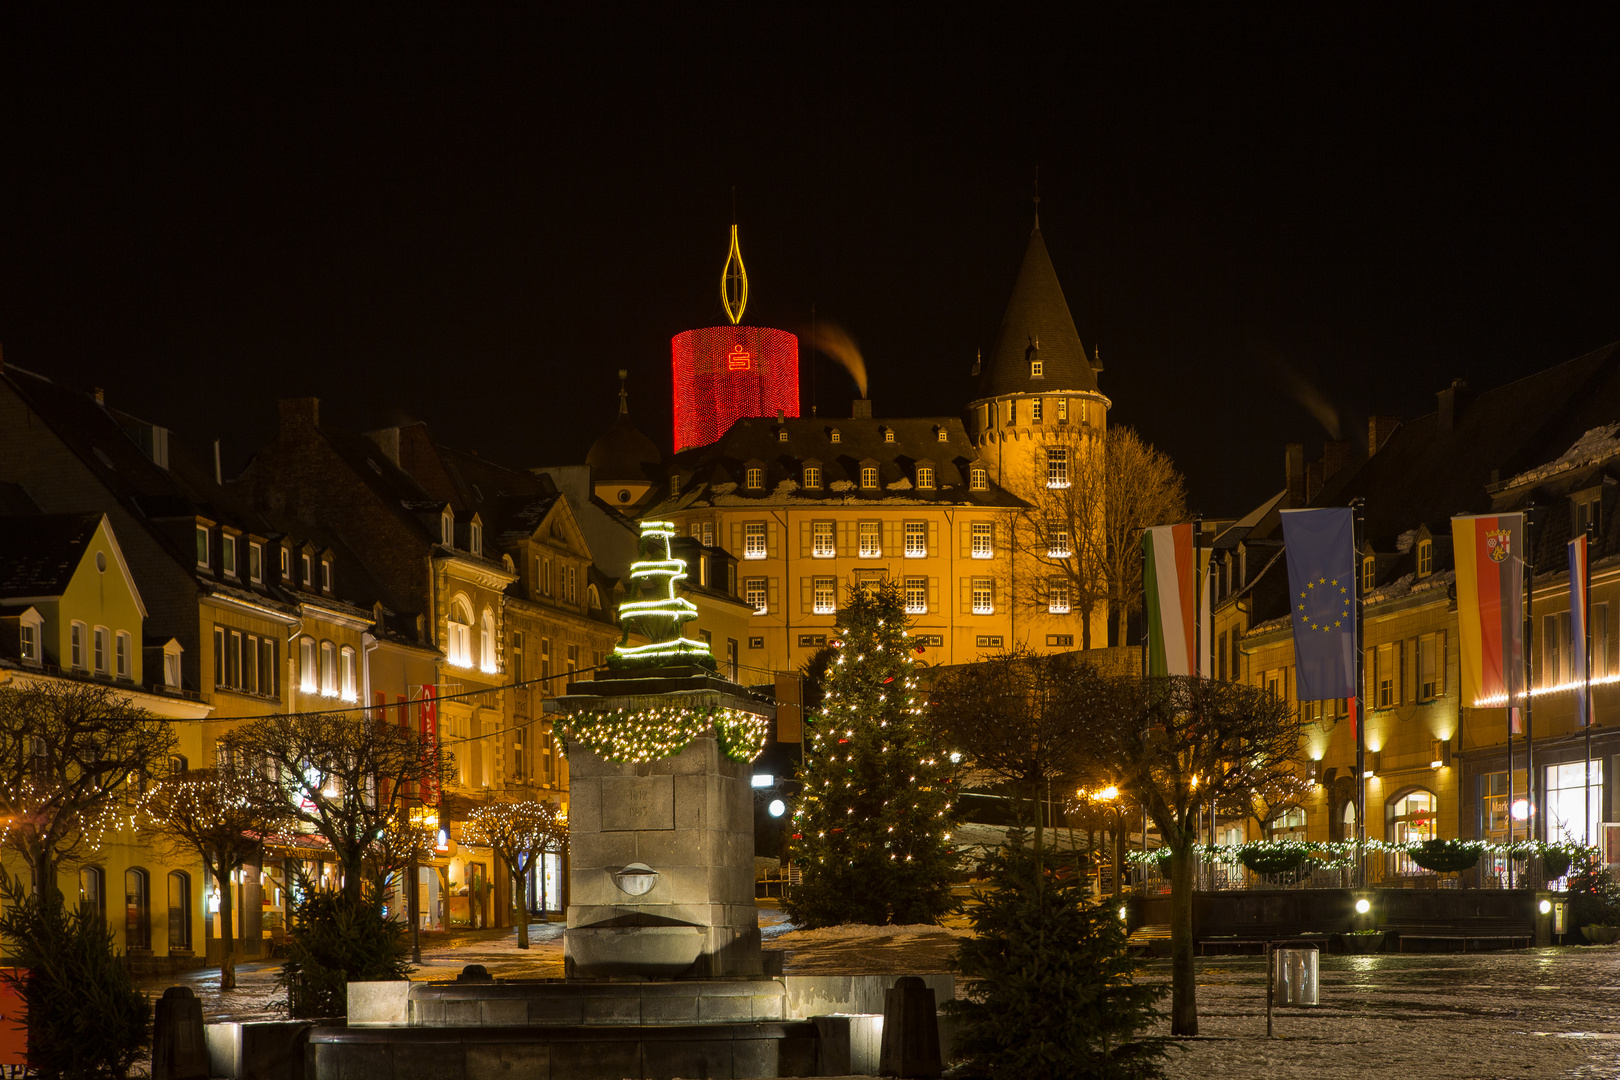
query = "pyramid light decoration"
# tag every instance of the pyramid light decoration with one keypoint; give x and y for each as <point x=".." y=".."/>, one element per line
<point x="658" y="613"/>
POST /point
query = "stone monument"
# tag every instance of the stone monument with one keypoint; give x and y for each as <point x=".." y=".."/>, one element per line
<point x="661" y="826"/>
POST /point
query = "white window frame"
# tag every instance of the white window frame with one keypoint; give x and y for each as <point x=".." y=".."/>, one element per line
<point x="326" y="576"/>
<point x="824" y="595"/>
<point x="916" y="595"/>
<point x="458" y="638"/>
<point x="308" y="673"/>
<point x="871" y="539"/>
<point x="475" y="537"/>
<point x="925" y="477"/>
<point x="1057" y="467"/>
<point x="1035" y="368"/>
<point x="78" y="645"/>
<point x="1035" y="411"/>
<point x="823" y="539"/>
<point x="28" y="640"/>
<point x="486" y="643"/>
<point x="754" y="540"/>
<point x="171" y="667"/>
<point x="227" y="554"/>
<point x="812" y="476"/>
<point x="916" y="534"/>
<point x="978" y="478"/>
<point x="982" y="539"/>
<point x="123" y="663"/>
<point x="1062" y="410"/>
<point x="756" y="593"/>
<point x="869" y="476"/>
<point x="204" y="555"/>
<point x="329" y="687"/>
<point x="99" y="651"/>
<point x="755" y="478"/>
<point x="348" y="688"/>
<point x="447" y="529"/>
<point x="1059" y="544"/>
<point x="1057" y="596"/>
<point x="983" y="594"/>
<point x="255" y="562"/>
<point x="307" y="565"/>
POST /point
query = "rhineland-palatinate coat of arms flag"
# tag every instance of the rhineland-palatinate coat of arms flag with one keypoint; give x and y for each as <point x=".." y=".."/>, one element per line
<point x="1490" y="556"/>
<point x="1321" y="553"/>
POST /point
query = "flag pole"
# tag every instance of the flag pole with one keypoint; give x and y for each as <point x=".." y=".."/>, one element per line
<point x="1358" y="703"/>
<point x="1529" y="672"/>
<point x="1586" y="699"/>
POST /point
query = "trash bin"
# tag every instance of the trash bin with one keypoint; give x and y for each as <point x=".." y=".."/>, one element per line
<point x="1295" y="975"/>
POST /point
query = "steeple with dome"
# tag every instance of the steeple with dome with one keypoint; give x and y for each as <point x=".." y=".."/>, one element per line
<point x="625" y="464"/>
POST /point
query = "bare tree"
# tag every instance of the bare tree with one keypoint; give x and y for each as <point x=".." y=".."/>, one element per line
<point x="401" y="846"/>
<point x="1085" y="510"/>
<point x="347" y="776"/>
<point x="519" y="833"/>
<point x="1142" y="489"/>
<point x="1177" y="745"/>
<point x="68" y="753"/>
<point x="221" y="816"/>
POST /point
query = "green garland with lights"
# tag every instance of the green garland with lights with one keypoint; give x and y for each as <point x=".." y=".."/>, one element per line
<point x="1341" y="853"/>
<point x="651" y="734"/>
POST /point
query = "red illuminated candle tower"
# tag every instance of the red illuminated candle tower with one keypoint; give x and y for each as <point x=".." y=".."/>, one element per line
<point x="724" y="373"/>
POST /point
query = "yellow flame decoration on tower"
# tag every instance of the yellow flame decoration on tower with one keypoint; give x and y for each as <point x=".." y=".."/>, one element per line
<point x="734" y="282"/>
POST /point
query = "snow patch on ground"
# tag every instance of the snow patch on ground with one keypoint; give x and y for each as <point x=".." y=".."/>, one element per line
<point x="861" y="931"/>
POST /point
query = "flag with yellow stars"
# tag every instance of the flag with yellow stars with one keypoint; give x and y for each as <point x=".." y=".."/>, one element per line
<point x="1321" y="551"/>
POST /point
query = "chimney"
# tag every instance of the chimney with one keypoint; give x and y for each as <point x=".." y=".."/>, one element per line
<point x="861" y="409"/>
<point x="1452" y="400"/>
<point x="387" y="440"/>
<point x="1313" y="480"/>
<point x="219" y="473"/>
<point x="299" y="412"/>
<point x="1294" y="472"/>
<point x="1336" y="456"/>
<point x="780" y="415"/>
<point x="1379" y="429"/>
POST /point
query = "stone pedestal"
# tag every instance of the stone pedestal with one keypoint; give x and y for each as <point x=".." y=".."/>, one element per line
<point x="688" y="819"/>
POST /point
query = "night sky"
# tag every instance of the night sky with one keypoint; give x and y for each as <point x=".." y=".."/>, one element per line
<point x="475" y="223"/>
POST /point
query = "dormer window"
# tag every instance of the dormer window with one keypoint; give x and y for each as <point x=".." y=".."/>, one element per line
<point x="1367" y="574"/>
<point x="978" y="479"/>
<point x="781" y="436"/>
<point x="888" y="434"/>
<point x="286" y="564"/>
<point x="1588" y="515"/>
<point x="944" y="435"/>
<point x="447" y="529"/>
<point x="869" y="476"/>
<point x="755" y="479"/>
<point x="1425" y="558"/>
<point x="674" y="484"/>
<point x="202" y="547"/>
<point x="836" y="436"/>
<point x="307" y="565"/>
<point x="925" y="476"/>
<point x="29" y="627"/>
<point x="812" y="476"/>
<point x="255" y="562"/>
<point x="326" y="576"/>
<point x="227" y="554"/>
<point x="1035" y="370"/>
<point x="475" y="538"/>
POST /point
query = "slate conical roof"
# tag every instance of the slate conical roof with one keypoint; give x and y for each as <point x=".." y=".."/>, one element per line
<point x="1037" y="324"/>
<point x="623" y="453"/>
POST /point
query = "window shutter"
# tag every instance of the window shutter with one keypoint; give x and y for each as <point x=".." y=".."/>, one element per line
<point x="846" y="545"/>
<point x="737" y="539"/>
<point x="965" y="529"/>
<point x="967" y="596"/>
<point x="804" y="539"/>
<point x="806" y="585"/>
<point x="772" y="544"/>
<point x="772" y="597"/>
<point x="892" y="538"/>
<point x="933" y="593"/>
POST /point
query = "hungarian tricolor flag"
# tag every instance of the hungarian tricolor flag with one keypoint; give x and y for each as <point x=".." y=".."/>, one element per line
<point x="1168" y="574"/>
<point x="1490" y="557"/>
<point x="1580" y="583"/>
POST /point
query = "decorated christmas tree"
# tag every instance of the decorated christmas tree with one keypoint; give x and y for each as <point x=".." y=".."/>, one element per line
<point x="871" y="831"/>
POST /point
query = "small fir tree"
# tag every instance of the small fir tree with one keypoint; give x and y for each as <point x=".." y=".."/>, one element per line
<point x="872" y="826"/>
<point x="1051" y="992"/>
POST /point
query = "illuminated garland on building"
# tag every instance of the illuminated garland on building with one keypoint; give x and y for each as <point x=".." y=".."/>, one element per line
<point x="658" y="613"/>
<point x="643" y="734"/>
<point x="1342" y="853"/>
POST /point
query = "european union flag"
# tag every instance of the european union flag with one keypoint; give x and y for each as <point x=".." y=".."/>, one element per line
<point x="1321" y="550"/>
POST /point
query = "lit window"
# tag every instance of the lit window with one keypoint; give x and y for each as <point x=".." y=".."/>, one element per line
<point x="916" y="596"/>
<point x="286" y="564"/>
<point x="458" y="639"/>
<point x="925" y="476"/>
<point x="306" y="666"/>
<point x="1057" y="596"/>
<point x="869" y="476"/>
<point x="30" y="642"/>
<point x="256" y="563"/>
<point x="812" y="476"/>
<point x="227" y="554"/>
<point x="76" y="645"/>
<point x="347" y="673"/>
<point x="122" y="649"/>
<point x="328" y="669"/>
<point x="754" y="593"/>
<point x="1057" y="467"/>
<point x="486" y="643"/>
<point x="871" y="539"/>
<point x="1035" y="370"/>
<point x="781" y="436"/>
<point x="1012" y="411"/>
<point x="981" y="532"/>
<point x="978" y="479"/>
<point x="916" y="539"/>
<point x="475" y="538"/>
<point x="326" y="575"/>
<point x="983" y="596"/>
<point x="825" y="595"/>
<point x="1057" y="540"/>
<point x="171" y="668"/>
<point x="1367" y="574"/>
<point x="308" y="568"/>
<point x="888" y="434"/>
<point x="202" y="546"/>
<point x="1035" y="411"/>
<point x="756" y="479"/>
<point x="1062" y="410"/>
<point x="447" y="529"/>
<point x="1425" y="558"/>
<point x="836" y="437"/>
<point x="821" y="540"/>
<point x="99" y="641"/>
<point x="944" y="435"/>
<point x="754" y="540"/>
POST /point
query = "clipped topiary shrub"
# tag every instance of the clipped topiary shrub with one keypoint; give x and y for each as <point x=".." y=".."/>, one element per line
<point x="336" y="940"/>
<point x="1445" y="856"/>
<point x="1266" y="859"/>
<point x="1555" y="862"/>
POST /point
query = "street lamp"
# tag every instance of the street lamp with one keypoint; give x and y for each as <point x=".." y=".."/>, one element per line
<point x="1110" y="795"/>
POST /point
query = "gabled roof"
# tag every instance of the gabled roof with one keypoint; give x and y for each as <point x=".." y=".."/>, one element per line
<point x="1037" y="325"/>
<point x="715" y="473"/>
<point x="39" y="553"/>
